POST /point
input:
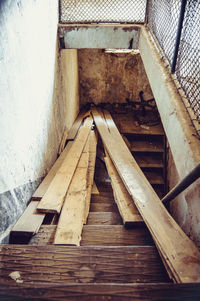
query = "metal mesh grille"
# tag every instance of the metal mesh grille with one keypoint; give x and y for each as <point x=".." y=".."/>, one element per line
<point x="163" y="19"/>
<point x="102" y="11"/>
<point x="188" y="63"/>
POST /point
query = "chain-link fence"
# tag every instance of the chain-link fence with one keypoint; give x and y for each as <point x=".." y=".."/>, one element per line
<point x="102" y="11"/>
<point x="163" y="19"/>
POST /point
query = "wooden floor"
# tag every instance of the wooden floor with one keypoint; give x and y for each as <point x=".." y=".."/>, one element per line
<point x="113" y="262"/>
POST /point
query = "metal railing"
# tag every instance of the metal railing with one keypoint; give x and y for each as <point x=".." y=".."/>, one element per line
<point x="174" y="23"/>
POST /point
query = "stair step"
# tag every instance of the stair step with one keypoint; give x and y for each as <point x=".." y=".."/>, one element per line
<point x="99" y="235"/>
<point x="101" y="291"/>
<point x="149" y="160"/>
<point x="103" y="207"/>
<point x="104" y="218"/>
<point x="147" y="146"/>
<point x="154" y="177"/>
<point x="62" y="264"/>
<point x="102" y="199"/>
<point x="127" y="124"/>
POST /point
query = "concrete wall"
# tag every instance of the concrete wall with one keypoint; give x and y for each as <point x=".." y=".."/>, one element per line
<point x="111" y="77"/>
<point x="33" y="104"/>
<point x="181" y="134"/>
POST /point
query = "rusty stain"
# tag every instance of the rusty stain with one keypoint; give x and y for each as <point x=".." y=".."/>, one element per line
<point x="128" y="29"/>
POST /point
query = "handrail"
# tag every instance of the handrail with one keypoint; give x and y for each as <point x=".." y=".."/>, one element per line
<point x="187" y="181"/>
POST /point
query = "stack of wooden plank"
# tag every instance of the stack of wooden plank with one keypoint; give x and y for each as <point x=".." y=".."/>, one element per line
<point x="66" y="191"/>
<point x="67" y="188"/>
<point x="179" y="254"/>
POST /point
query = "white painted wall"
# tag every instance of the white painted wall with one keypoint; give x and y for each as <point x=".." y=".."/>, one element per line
<point x="33" y="106"/>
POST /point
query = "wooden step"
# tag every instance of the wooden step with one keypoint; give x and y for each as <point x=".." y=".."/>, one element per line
<point x="149" y="160"/>
<point x="102" y="199"/>
<point x="61" y="264"/>
<point x="147" y="146"/>
<point x="103" y="207"/>
<point x="154" y="177"/>
<point x="100" y="291"/>
<point x="127" y="124"/>
<point x="95" y="235"/>
<point x="104" y="218"/>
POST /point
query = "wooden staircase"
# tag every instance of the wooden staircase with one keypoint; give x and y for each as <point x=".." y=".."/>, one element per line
<point x="113" y="262"/>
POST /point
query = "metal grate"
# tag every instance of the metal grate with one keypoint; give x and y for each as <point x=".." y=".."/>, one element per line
<point x="188" y="63"/>
<point x="102" y="11"/>
<point x="162" y="18"/>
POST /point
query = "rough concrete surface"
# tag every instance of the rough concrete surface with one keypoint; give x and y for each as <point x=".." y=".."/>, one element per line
<point x="32" y="105"/>
<point x="111" y="77"/>
<point x="181" y="135"/>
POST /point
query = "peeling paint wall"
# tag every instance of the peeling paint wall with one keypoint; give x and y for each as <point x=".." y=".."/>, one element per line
<point x="33" y="105"/>
<point x="111" y="77"/>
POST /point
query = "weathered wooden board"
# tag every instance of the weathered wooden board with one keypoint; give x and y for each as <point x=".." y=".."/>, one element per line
<point x="47" y="264"/>
<point x="71" y="219"/>
<point x="53" y="199"/>
<point x="29" y="222"/>
<point x="104" y="218"/>
<point x="90" y="174"/>
<point x="41" y="190"/>
<point x="99" y="235"/>
<point x="76" y="125"/>
<point x="100" y="291"/>
<point x="95" y="190"/>
<point x="178" y="251"/>
<point x="125" y="203"/>
<point x="103" y="207"/>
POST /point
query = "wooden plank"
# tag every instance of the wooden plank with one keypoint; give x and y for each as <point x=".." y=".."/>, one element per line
<point x="47" y="264"/>
<point x="103" y="198"/>
<point x="175" y="246"/>
<point x="104" y="218"/>
<point x="100" y="291"/>
<point x="53" y="199"/>
<point x="103" y="207"/>
<point x="41" y="190"/>
<point x="99" y="235"/>
<point x="147" y="146"/>
<point x="95" y="190"/>
<point x="76" y="125"/>
<point x="29" y="222"/>
<point x="90" y="175"/>
<point x="71" y="219"/>
<point x="149" y="161"/>
<point x="128" y="125"/>
<point x="125" y="203"/>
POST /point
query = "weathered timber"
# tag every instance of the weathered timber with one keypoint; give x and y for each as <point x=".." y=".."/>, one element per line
<point x="178" y="251"/>
<point x="29" y="222"/>
<point x="101" y="292"/>
<point x="53" y="199"/>
<point x="76" y="125"/>
<point x="103" y="198"/>
<point x="95" y="235"/>
<point x="104" y="218"/>
<point x="41" y="190"/>
<point x="90" y="174"/>
<point x="125" y="203"/>
<point x="71" y="219"/>
<point x="103" y="207"/>
<point x="146" y="146"/>
<point x="55" y="264"/>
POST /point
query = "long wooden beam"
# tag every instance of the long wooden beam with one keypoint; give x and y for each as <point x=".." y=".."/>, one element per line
<point x="179" y="252"/>
<point x="53" y="199"/>
<point x="71" y="219"/>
